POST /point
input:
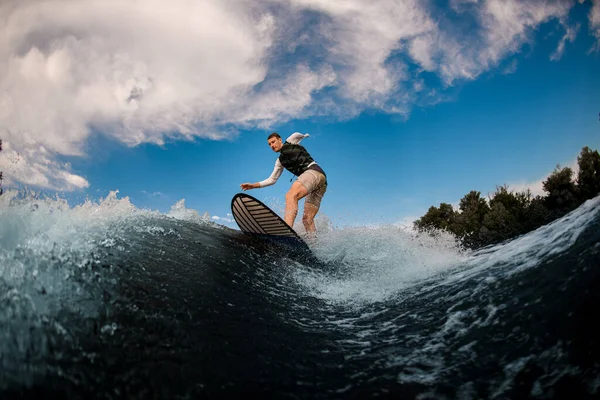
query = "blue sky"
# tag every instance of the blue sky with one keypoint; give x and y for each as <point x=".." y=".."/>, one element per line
<point x="408" y="104"/>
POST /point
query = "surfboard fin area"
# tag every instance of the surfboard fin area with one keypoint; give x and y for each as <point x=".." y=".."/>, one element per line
<point x="255" y="218"/>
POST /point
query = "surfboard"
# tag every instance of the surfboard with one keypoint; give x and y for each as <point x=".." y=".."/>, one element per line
<point x="255" y="218"/>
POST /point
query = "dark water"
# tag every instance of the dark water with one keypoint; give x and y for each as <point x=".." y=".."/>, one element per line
<point x="107" y="301"/>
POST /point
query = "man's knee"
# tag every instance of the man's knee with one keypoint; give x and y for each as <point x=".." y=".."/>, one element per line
<point x="293" y="195"/>
<point x="290" y="196"/>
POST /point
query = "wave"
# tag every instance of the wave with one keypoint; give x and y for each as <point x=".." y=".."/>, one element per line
<point x="106" y="300"/>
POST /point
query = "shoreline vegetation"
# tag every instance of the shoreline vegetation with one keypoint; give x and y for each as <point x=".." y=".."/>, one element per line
<point x="480" y="222"/>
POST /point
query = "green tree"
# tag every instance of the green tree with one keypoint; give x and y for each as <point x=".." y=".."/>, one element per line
<point x="468" y="222"/>
<point x="537" y="213"/>
<point x="588" y="177"/>
<point x="562" y="193"/>
<point x="499" y="224"/>
<point x="515" y="203"/>
<point x="511" y="201"/>
<point x="439" y="218"/>
<point x="508" y="214"/>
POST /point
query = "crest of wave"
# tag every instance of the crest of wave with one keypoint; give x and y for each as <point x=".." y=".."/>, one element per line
<point x="49" y="251"/>
<point x="179" y="211"/>
<point x="544" y="243"/>
<point x="50" y="265"/>
<point x="28" y="221"/>
<point x="374" y="263"/>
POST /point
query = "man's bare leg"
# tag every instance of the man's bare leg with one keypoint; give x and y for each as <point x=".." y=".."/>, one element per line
<point x="296" y="192"/>
<point x="308" y="218"/>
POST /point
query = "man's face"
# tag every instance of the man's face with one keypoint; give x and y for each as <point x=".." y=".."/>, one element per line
<point x="275" y="143"/>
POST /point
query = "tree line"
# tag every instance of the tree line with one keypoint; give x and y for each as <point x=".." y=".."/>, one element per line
<point x="479" y="222"/>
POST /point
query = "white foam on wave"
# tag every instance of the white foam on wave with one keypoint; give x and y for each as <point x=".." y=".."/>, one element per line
<point x="179" y="211"/>
<point x="49" y="249"/>
<point x="379" y="262"/>
<point x="34" y="231"/>
<point x="374" y="263"/>
<point x="47" y="259"/>
<point x="471" y="309"/>
<point x="51" y="263"/>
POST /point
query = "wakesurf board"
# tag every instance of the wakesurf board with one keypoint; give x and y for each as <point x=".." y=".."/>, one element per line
<point x="255" y="218"/>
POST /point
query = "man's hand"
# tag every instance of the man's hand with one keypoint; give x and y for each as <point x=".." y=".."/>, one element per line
<point x="248" y="186"/>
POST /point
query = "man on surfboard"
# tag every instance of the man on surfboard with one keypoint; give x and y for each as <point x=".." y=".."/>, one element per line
<point x="311" y="182"/>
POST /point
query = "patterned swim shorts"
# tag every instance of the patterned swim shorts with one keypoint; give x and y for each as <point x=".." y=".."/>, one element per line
<point x="316" y="184"/>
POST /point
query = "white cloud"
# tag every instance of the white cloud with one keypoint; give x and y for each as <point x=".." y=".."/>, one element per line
<point x="508" y="24"/>
<point x="594" y="23"/>
<point x="511" y="68"/>
<point x="462" y="5"/>
<point x="37" y="167"/>
<point x="536" y="187"/>
<point x="502" y="28"/>
<point x="361" y="36"/>
<point x="141" y="71"/>
<point x="133" y="70"/>
<point x="570" y="35"/>
<point x="223" y="219"/>
<point x="153" y="194"/>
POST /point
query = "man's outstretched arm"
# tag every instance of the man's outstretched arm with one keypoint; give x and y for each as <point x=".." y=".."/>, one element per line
<point x="295" y="138"/>
<point x="267" y="182"/>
